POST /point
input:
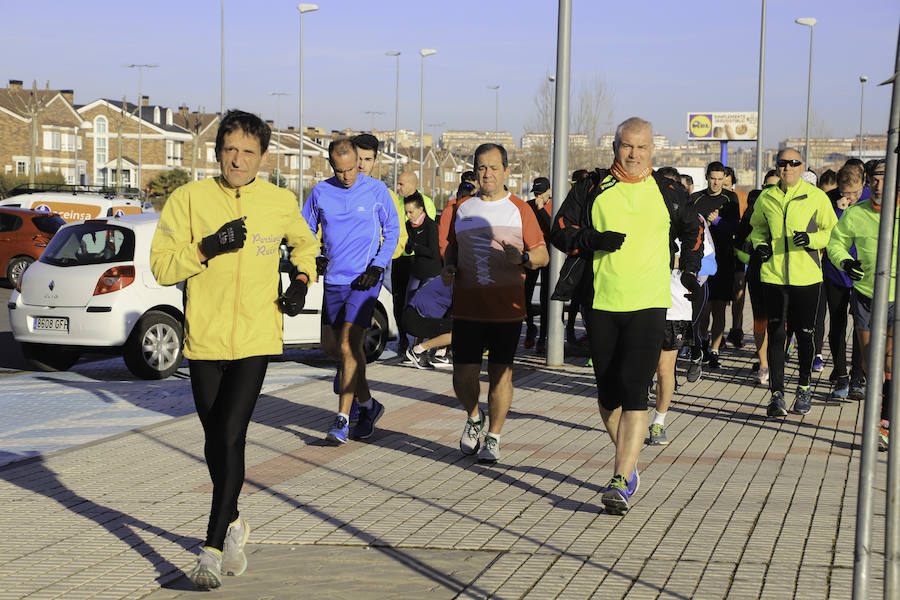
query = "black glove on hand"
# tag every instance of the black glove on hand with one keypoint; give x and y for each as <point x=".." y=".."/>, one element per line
<point x="690" y="282"/>
<point x="853" y="269"/>
<point x="763" y="252"/>
<point x="293" y="299"/>
<point x="367" y="279"/>
<point x="608" y="241"/>
<point x="321" y="264"/>
<point x="801" y="238"/>
<point x="230" y="236"/>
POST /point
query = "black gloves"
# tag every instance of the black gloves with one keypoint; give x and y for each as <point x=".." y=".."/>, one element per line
<point x="608" y="241"/>
<point x="853" y="269"/>
<point x="230" y="236"/>
<point x="321" y="264"/>
<point x="764" y="252"/>
<point x="292" y="299"/>
<point x="801" y="238"/>
<point x="690" y="282"/>
<point x="367" y="279"/>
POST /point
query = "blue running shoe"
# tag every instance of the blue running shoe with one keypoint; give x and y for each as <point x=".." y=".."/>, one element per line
<point x="634" y="482"/>
<point x="339" y="431"/>
<point x="354" y="411"/>
<point x="367" y="419"/>
<point x="615" y="498"/>
<point x="818" y="363"/>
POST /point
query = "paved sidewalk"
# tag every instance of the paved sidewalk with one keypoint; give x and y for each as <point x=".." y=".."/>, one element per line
<point x="736" y="506"/>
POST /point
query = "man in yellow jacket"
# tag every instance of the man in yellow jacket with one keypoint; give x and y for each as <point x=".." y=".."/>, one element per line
<point x="792" y="223"/>
<point x="222" y="236"/>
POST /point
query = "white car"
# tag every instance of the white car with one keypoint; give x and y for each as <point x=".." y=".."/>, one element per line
<point x="92" y="291"/>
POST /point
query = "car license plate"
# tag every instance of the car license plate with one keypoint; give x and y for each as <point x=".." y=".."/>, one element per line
<point x="52" y="323"/>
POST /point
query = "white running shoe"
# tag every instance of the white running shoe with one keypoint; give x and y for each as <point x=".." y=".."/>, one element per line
<point x="490" y="451"/>
<point x="470" y="440"/>
<point x="207" y="572"/>
<point x="234" y="561"/>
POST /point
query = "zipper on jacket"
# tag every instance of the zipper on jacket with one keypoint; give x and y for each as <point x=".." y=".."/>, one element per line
<point x="237" y="284"/>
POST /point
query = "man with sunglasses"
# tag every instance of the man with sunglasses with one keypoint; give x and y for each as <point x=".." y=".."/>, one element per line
<point x="859" y="226"/>
<point x="791" y="223"/>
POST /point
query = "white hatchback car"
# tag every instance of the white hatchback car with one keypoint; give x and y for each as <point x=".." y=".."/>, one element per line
<point x="92" y="292"/>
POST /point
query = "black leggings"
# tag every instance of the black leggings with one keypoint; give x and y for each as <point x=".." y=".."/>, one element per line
<point x="531" y="277"/>
<point x="798" y="305"/>
<point x="625" y="349"/>
<point x="838" y="298"/>
<point x="225" y="394"/>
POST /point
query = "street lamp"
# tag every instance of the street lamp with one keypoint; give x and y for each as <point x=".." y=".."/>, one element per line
<point x="811" y="23"/>
<point x="552" y="79"/>
<point x="140" y="114"/>
<point x="862" y="88"/>
<point x="496" y="89"/>
<point x="303" y="8"/>
<point x="372" y="113"/>
<point x="423" y="52"/>
<point x="278" y="96"/>
<point x="396" y="116"/>
<point x="82" y="125"/>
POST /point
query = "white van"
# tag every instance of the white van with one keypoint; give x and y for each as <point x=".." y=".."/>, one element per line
<point x="73" y="203"/>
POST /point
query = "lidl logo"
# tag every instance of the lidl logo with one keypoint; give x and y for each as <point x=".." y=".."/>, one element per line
<point x="42" y="208"/>
<point x="700" y="126"/>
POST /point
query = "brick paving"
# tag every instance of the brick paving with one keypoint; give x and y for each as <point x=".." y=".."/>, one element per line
<point x="736" y="506"/>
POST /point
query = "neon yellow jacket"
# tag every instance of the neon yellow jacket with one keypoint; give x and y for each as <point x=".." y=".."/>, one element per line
<point x="776" y="216"/>
<point x="401" y="217"/>
<point x="859" y="225"/>
<point x="231" y="309"/>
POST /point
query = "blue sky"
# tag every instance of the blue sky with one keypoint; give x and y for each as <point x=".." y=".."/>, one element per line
<point x="660" y="59"/>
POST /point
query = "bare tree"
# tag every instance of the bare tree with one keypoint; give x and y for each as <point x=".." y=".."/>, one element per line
<point x="592" y="115"/>
<point x="33" y="105"/>
<point x="193" y="123"/>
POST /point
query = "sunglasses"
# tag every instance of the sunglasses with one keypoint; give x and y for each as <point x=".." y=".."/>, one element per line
<point x="783" y="162"/>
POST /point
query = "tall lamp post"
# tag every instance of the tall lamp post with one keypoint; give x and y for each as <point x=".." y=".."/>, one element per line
<point x="140" y="116"/>
<point x="423" y="52"/>
<point x="496" y="89"/>
<point x="552" y="79"/>
<point x="278" y="96"/>
<point x="372" y="114"/>
<point x="811" y="23"/>
<point x="222" y="75"/>
<point x="862" y="90"/>
<point x="303" y="8"/>
<point x="396" y="115"/>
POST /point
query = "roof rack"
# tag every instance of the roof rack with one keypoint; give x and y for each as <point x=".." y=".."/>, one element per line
<point x="107" y="191"/>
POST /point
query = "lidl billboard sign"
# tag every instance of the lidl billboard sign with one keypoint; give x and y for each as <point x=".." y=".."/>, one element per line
<point x="722" y="126"/>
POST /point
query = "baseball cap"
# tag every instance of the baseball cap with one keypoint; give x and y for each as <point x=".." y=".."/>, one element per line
<point x="540" y="185"/>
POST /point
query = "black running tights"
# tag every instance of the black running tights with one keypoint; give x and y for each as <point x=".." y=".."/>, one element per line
<point x="838" y="298"/>
<point x="798" y="305"/>
<point x="225" y="393"/>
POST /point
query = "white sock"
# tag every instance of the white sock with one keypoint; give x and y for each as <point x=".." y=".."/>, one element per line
<point x="367" y="404"/>
<point x="496" y="436"/>
<point x="418" y="349"/>
<point x="659" y="419"/>
<point x="345" y="415"/>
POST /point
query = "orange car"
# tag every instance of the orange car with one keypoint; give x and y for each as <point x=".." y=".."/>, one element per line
<point x="24" y="234"/>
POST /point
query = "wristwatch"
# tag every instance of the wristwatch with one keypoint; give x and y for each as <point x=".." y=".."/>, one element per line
<point x="525" y="258"/>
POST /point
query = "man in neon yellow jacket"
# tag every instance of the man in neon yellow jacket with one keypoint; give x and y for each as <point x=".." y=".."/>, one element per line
<point x="791" y="224"/>
<point x="859" y="225"/>
<point x="222" y="236"/>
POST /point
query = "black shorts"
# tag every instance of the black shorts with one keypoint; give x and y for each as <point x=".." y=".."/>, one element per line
<point x="625" y="350"/>
<point x="423" y="327"/>
<point x="861" y="309"/>
<point x="471" y="338"/>
<point x="677" y="334"/>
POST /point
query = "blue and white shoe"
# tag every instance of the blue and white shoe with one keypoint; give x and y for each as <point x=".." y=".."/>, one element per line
<point x="365" y="426"/>
<point x="339" y="431"/>
<point x="354" y="411"/>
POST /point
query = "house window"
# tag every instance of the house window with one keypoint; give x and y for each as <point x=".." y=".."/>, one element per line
<point x="210" y="155"/>
<point x="156" y="115"/>
<point x="294" y="162"/>
<point x="21" y="167"/>
<point x="51" y="140"/>
<point x="100" y="149"/>
<point x="168" y="116"/>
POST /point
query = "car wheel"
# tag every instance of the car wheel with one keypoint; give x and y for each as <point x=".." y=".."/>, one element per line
<point x="376" y="336"/>
<point x="153" y="350"/>
<point x="47" y="357"/>
<point x="16" y="267"/>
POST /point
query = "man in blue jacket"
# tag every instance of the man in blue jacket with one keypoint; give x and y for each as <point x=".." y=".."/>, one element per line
<point x="360" y="230"/>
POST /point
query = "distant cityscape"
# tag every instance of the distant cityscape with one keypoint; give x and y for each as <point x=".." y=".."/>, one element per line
<point x="116" y="142"/>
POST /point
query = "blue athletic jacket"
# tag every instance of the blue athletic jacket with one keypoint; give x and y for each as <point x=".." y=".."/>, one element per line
<point x="359" y="225"/>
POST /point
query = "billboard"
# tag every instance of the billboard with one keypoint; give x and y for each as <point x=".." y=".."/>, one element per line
<point x="722" y="126"/>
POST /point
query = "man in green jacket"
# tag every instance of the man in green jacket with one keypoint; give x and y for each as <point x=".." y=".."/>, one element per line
<point x="859" y="225"/>
<point x="791" y="223"/>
